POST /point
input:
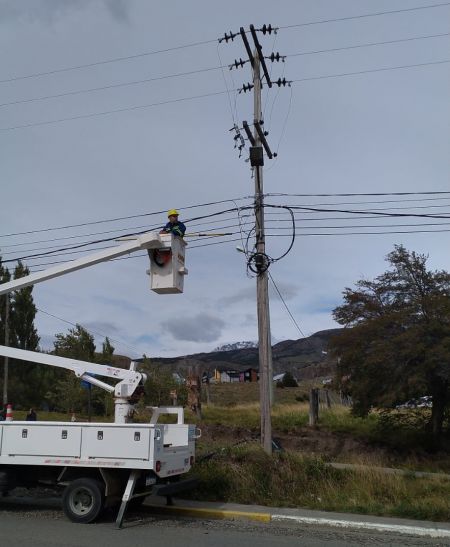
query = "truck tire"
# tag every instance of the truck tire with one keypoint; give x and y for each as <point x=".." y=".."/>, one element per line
<point x="83" y="500"/>
<point x="7" y="481"/>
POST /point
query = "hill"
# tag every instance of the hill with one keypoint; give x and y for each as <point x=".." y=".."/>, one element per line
<point x="304" y="358"/>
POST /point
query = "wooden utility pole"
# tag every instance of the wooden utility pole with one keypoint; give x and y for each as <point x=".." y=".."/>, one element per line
<point x="258" y="262"/>
<point x="6" y="359"/>
<point x="262" y="286"/>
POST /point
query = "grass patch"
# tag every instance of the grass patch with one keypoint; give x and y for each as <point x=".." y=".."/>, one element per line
<point x="246" y="474"/>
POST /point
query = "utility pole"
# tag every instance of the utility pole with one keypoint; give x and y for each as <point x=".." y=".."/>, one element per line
<point x="258" y="262"/>
<point x="6" y="359"/>
<point x="262" y="285"/>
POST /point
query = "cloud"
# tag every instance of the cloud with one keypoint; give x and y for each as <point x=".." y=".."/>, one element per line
<point x="101" y="327"/>
<point x="248" y="294"/>
<point x="48" y="11"/>
<point x="119" y="9"/>
<point x="199" y="328"/>
<point x="38" y="10"/>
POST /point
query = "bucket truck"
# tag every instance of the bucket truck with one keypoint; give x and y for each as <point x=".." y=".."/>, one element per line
<point x="102" y="464"/>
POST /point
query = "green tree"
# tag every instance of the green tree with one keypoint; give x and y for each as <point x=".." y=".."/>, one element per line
<point x="288" y="380"/>
<point x="68" y="393"/>
<point x="26" y="381"/>
<point x="5" y="276"/>
<point x="23" y="312"/>
<point x="106" y="358"/>
<point x="107" y="352"/>
<point x="398" y="343"/>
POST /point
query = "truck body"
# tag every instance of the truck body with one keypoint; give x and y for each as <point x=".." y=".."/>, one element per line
<point x="102" y="464"/>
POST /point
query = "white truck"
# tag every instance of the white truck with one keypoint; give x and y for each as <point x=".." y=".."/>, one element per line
<point x="102" y="464"/>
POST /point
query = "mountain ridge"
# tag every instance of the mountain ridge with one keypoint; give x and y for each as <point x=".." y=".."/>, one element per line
<point x="305" y="358"/>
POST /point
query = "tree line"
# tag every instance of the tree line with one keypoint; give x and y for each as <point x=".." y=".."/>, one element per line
<point x="50" y="388"/>
<point x="395" y="346"/>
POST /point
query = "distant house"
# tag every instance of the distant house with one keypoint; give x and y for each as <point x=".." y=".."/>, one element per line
<point x="279" y="377"/>
<point x="178" y="378"/>
<point x="249" y="375"/>
<point x="229" y="376"/>
<point x="226" y="375"/>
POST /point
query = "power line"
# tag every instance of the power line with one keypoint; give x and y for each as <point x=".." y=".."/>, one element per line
<point x="204" y="42"/>
<point x="111" y="86"/>
<point x="359" y="72"/>
<point x="94" y="242"/>
<point x="213" y="94"/>
<point x="52" y="249"/>
<point x="369" y="212"/>
<point x="119" y="232"/>
<point x="348" y="194"/>
<point x="362" y="16"/>
<point x="370" y="44"/>
<point x="390" y="232"/>
<point x="115" y="111"/>
<point x="121" y="343"/>
<point x="106" y="61"/>
<point x="209" y="69"/>
<point x="140" y="215"/>
<point x="286" y="306"/>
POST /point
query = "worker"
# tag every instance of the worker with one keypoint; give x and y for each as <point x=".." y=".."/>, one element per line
<point x="174" y="226"/>
<point x="31" y="416"/>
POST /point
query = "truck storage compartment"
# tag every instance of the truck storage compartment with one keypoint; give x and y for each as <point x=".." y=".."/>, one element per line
<point x="35" y="439"/>
<point x="130" y="442"/>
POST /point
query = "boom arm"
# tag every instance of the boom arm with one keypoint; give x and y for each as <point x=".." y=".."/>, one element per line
<point x="129" y="379"/>
<point x="150" y="240"/>
<point x="123" y="391"/>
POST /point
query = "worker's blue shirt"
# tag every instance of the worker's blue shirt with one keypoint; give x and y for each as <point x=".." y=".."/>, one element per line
<point x="176" y="228"/>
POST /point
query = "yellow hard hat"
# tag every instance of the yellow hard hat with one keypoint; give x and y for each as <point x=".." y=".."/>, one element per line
<point x="172" y="212"/>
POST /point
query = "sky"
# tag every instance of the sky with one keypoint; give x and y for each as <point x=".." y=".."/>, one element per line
<point x="157" y="136"/>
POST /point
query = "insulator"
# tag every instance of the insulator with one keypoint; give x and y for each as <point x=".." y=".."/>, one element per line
<point x="237" y="63"/>
<point x="276" y="57"/>
<point x="268" y="29"/>
<point x="227" y="37"/>
<point x="246" y="87"/>
<point x="282" y="82"/>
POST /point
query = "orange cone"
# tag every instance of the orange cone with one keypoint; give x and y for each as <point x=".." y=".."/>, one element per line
<point x="9" y="413"/>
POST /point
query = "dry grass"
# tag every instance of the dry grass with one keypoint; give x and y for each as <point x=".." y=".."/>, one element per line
<point x="246" y="474"/>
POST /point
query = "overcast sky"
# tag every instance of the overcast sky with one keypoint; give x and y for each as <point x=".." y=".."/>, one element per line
<point x="379" y="131"/>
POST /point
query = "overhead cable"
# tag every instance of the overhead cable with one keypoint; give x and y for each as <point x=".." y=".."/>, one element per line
<point x="364" y="15"/>
<point x="212" y="94"/>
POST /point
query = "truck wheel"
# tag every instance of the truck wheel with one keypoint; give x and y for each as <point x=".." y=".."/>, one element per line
<point x="83" y="500"/>
<point x="7" y="481"/>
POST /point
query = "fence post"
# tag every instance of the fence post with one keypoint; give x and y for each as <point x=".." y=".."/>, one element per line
<point x="327" y="398"/>
<point x="314" y="407"/>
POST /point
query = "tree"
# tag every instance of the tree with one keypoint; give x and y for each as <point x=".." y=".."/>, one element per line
<point x="5" y="276"/>
<point x="25" y="384"/>
<point x="397" y="344"/>
<point x="106" y="358"/>
<point x="107" y="352"/>
<point x="288" y="380"/>
<point x="23" y="312"/>
<point x="68" y="393"/>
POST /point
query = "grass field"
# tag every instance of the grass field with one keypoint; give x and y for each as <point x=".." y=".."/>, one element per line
<point x="245" y="474"/>
<point x="232" y="467"/>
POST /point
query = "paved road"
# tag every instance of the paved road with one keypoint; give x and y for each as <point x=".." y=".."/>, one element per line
<point x="27" y="522"/>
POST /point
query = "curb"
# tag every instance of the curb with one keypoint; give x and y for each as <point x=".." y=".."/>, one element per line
<point x="432" y="530"/>
<point x="210" y="513"/>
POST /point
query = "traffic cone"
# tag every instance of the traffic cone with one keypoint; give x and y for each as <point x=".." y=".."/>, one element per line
<point x="9" y="413"/>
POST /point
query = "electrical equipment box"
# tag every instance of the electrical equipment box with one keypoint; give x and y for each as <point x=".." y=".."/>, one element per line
<point x="167" y="269"/>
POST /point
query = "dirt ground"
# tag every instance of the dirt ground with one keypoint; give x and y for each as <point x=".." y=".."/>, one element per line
<point x="332" y="447"/>
<point x="303" y="439"/>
